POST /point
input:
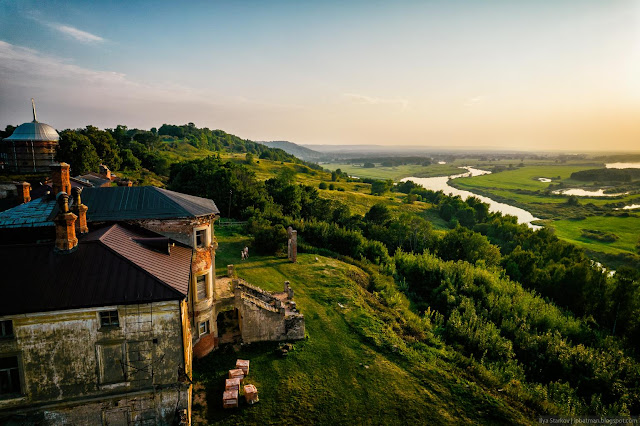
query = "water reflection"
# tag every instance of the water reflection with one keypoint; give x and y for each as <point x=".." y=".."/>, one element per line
<point x="622" y="165"/>
<point x="584" y="193"/>
<point x="440" y="183"/>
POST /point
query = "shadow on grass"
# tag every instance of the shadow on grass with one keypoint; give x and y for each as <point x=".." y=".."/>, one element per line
<point x="212" y="371"/>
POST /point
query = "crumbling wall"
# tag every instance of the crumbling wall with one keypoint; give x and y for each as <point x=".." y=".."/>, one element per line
<point x="62" y="354"/>
<point x="265" y="317"/>
<point x="162" y="407"/>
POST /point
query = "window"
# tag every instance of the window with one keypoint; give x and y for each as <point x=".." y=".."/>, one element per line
<point x="201" y="238"/>
<point x="203" y="328"/>
<point x="9" y="376"/>
<point x="6" y="328"/>
<point x="109" y="319"/>
<point x="112" y="363"/>
<point x="201" y="287"/>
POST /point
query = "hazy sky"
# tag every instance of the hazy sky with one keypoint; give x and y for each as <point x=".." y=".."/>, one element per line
<point x="519" y="74"/>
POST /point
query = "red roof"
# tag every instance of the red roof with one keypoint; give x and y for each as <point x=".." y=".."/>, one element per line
<point x="108" y="268"/>
<point x="172" y="269"/>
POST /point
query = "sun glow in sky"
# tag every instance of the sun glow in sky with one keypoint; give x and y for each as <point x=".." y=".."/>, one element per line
<point x="506" y="74"/>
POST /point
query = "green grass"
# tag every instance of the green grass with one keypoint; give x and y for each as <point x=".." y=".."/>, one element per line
<point x="394" y="173"/>
<point x="627" y="229"/>
<point x="522" y="188"/>
<point x="353" y="368"/>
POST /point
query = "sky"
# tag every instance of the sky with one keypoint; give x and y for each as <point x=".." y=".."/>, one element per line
<point x="528" y="75"/>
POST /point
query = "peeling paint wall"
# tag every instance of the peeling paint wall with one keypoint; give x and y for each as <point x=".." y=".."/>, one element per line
<point x="67" y="356"/>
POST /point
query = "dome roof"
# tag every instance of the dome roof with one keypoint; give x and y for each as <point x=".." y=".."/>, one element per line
<point x="34" y="131"/>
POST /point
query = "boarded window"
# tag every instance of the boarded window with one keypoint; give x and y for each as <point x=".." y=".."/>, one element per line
<point x="112" y="363"/>
<point x="201" y="240"/>
<point x="9" y="376"/>
<point x="6" y="328"/>
<point x="109" y="319"/>
<point x="201" y="287"/>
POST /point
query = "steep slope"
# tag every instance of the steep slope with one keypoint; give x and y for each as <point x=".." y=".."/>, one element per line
<point x="357" y="366"/>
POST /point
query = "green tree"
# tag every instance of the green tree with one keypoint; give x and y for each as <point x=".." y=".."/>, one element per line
<point x="78" y="151"/>
<point x="379" y="187"/>
<point x="130" y="161"/>
<point x="378" y="214"/>
<point x="105" y="145"/>
<point x="463" y="244"/>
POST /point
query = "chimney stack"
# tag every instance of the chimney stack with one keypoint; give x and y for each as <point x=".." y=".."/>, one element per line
<point x="60" y="178"/>
<point x="105" y="172"/>
<point x="66" y="240"/>
<point x="79" y="210"/>
<point x="24" y="192"/>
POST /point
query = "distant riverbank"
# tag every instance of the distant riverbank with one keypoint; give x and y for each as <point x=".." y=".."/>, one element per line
<point x="441" y="183"/>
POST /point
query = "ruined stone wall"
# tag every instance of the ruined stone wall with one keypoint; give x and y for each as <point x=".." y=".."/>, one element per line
<point x="260" y="324"/>
<point x="67" y="355"/>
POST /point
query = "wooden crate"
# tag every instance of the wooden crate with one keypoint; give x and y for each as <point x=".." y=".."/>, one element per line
<point x="230" y="399"/>
<point x="232" y="384"/>
<point x="243" y="364"/>
<point x="236" y="374"/>
<point x="251" y="394"/>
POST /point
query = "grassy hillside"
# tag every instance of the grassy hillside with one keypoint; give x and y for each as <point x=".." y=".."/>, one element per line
<point x="358" y="364"/>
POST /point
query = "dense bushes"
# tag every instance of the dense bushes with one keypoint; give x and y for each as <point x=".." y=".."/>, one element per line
<point x="493" y="318"/>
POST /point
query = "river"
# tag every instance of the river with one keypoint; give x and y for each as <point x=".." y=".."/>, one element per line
<point x="441" y="183"/>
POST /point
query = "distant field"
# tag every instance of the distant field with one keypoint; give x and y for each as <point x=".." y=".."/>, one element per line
<point x="521" y="187"/>
<point x="394" y="173"/>
<point x="627" y="229"/>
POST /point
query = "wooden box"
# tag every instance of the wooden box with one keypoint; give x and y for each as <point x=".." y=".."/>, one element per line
<point x="251" y="394"/>
<point x="230" y="399"/>
<point x="232" y="384"/>
<point x="243" y="364"/>
<point x="236" y="374"/>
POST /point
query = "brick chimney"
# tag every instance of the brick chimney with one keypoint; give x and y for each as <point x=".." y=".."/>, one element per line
<point x="66" y="240"/>
<point x="24" y="192"/>
<point x="60" y="178"/>
<point x="105" y="172"/>
<point x="79" y="210"/>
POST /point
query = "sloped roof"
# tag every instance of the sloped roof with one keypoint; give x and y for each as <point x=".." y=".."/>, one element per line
<point x="111" y="204"/>
<point x="142" y="202"/>
<point x="172" y="269"/>
<point x="107" y="268"/>
<point x="34" y="131"/>
<point x="32" y="214"/>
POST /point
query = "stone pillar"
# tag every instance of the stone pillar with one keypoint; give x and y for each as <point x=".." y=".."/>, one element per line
<point x="231" y="271"/>
<point x="292" y="245"/>
<point x="66" y="240"/>
<point x="288" y="290"/>
<point x="79" y="210"/>
<point x="60" y="178"/>
<point x="24" y="192"/>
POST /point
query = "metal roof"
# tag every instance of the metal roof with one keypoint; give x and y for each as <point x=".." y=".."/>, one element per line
<point x="32" y="214"/>
<point x="112" y="204"/>
<point x="142" y="202"/>
<point x="34" y="131"/>
<point x="107" y="268"/>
